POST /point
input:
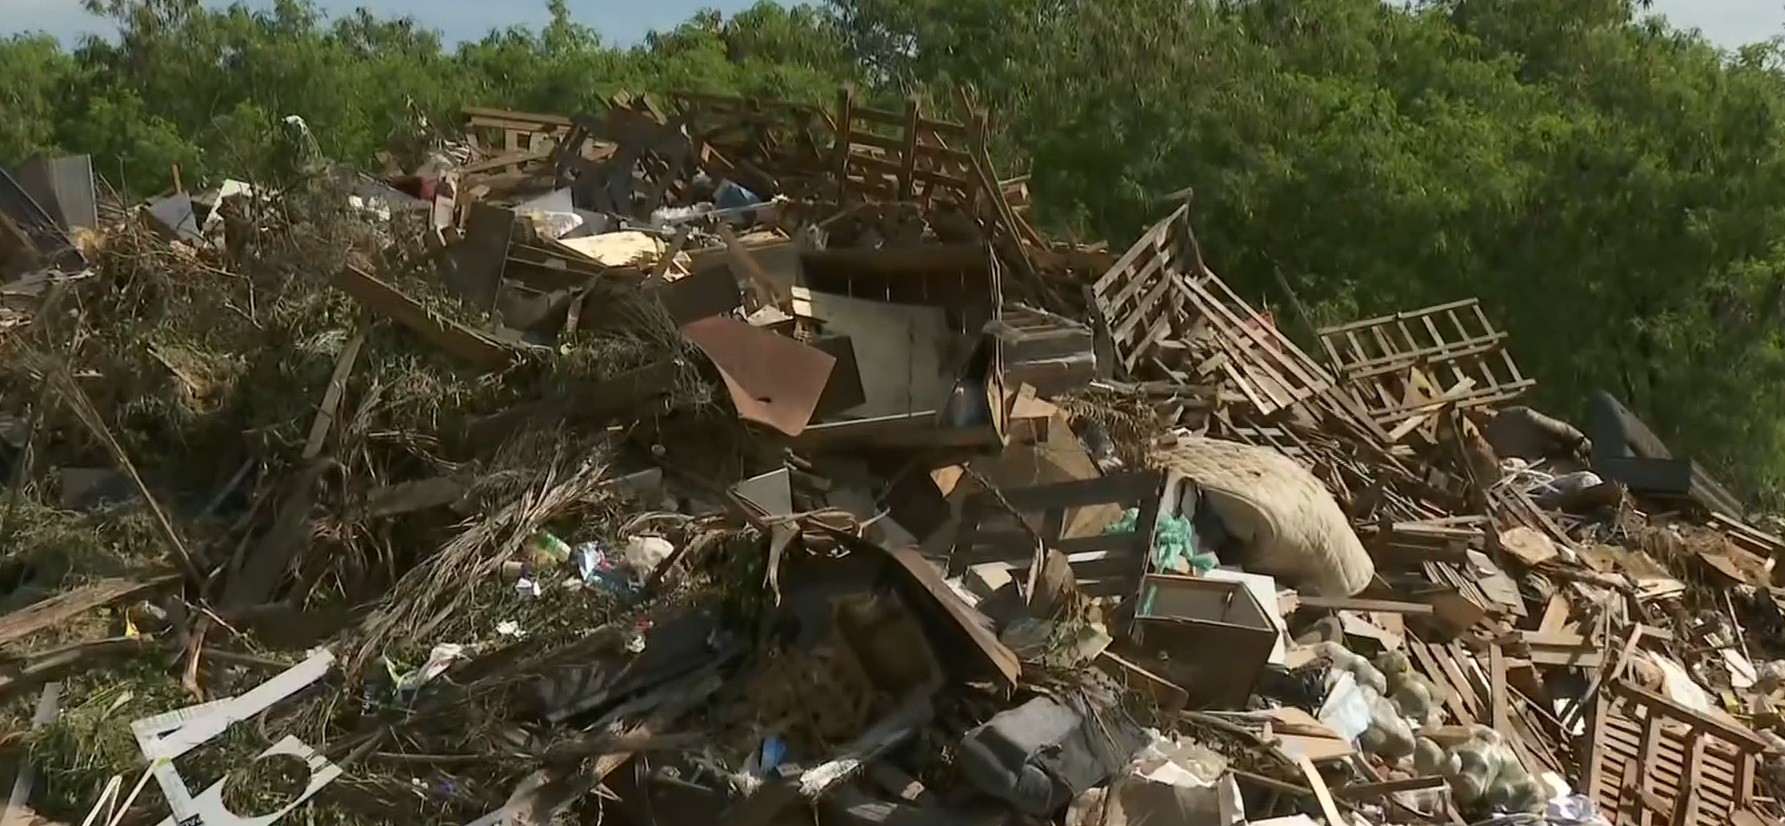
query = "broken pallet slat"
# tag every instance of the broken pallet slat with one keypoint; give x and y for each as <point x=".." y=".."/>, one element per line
<point x="459" y="341"/>
<point x="1381" y="606"/>
<point x="70" y="604"/>
<point x="328" y="410"/>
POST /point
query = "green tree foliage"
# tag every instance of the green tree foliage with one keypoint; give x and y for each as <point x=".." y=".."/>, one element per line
<point x="1609" y="187"/>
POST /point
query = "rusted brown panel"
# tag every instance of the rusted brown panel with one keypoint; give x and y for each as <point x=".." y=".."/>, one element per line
<point x="773" y="380"/>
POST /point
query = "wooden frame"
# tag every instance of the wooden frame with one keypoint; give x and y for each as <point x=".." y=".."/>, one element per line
<point x="1407" y="364"/>
<point x="520" y="133"/>
<point x="1107" y="564"/>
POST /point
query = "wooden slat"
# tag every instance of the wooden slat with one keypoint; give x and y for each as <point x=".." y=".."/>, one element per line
<point x="1647" y="752"/>
<point x="456" y="339"/>
<point x="66" y="606"/>
<point x="1686" y="805"/>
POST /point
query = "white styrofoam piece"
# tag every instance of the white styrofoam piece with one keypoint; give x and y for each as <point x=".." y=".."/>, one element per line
<point x="168" y="736"/>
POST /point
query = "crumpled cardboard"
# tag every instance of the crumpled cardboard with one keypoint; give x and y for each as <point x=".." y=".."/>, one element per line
<point x="1166" y="784"/>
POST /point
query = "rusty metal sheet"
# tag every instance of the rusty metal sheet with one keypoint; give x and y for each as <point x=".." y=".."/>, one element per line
<point x="774" y="380"/>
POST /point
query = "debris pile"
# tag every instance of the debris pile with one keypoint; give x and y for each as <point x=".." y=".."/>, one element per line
<point x="746" y="462"/>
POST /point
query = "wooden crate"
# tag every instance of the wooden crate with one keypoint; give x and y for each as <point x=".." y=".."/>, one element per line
<point x="1216" y="635"/>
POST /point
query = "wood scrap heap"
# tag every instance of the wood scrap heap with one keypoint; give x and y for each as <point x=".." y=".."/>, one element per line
<point x="755" y="463"/>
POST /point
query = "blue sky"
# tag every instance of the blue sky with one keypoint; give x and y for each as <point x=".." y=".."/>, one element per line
<point x="1728" y="22"/>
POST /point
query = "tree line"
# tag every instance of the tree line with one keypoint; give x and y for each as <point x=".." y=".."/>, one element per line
<point x="1610" y="187"/>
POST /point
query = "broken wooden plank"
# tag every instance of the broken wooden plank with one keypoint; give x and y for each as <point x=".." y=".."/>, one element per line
<point x="1618" y="666"/>
<point x="16" y="813"/>
<point x="746" y="268"/>
<point x="417" y="495"/>
<point x="942" y="608"/>
<point x="1376" y="605"/>
<point x="1366" y="791"/>
<point x="459" y="341"/>
<point x="1454" y="696"/>
<point x="584" y="405"/>
<point x="1561" y="648"/>
<point x="1169" y="696"/>
<point x="257" y="577"/>
<point x="58" y="377"/>
<point x="39" y="669"/>
<point x="1499" y="703"/>
<point x="1328" y="808"/>
<point x="70" y="604"/>
<point x="660" y="269"/>
<point x="1556" y="613"/>
<point x="331" y="398"/>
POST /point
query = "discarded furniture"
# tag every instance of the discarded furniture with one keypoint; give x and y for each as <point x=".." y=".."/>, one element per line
<point x="1647" y="759"/>
<point x="1106" y="564"/>
<point x="1210" y="636"/>
<point x="1625" y="450"/>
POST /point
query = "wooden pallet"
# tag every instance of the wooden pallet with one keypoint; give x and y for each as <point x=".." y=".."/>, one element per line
<point x="1649" y="760"/>
<point x="1142" y="299"/>
<point x="515" y="135"/>
<point x="1408" y="364"/>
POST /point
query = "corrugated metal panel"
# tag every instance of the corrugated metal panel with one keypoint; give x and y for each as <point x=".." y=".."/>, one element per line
<point x="63" y="187"/>
<point x="36" y="223"/>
